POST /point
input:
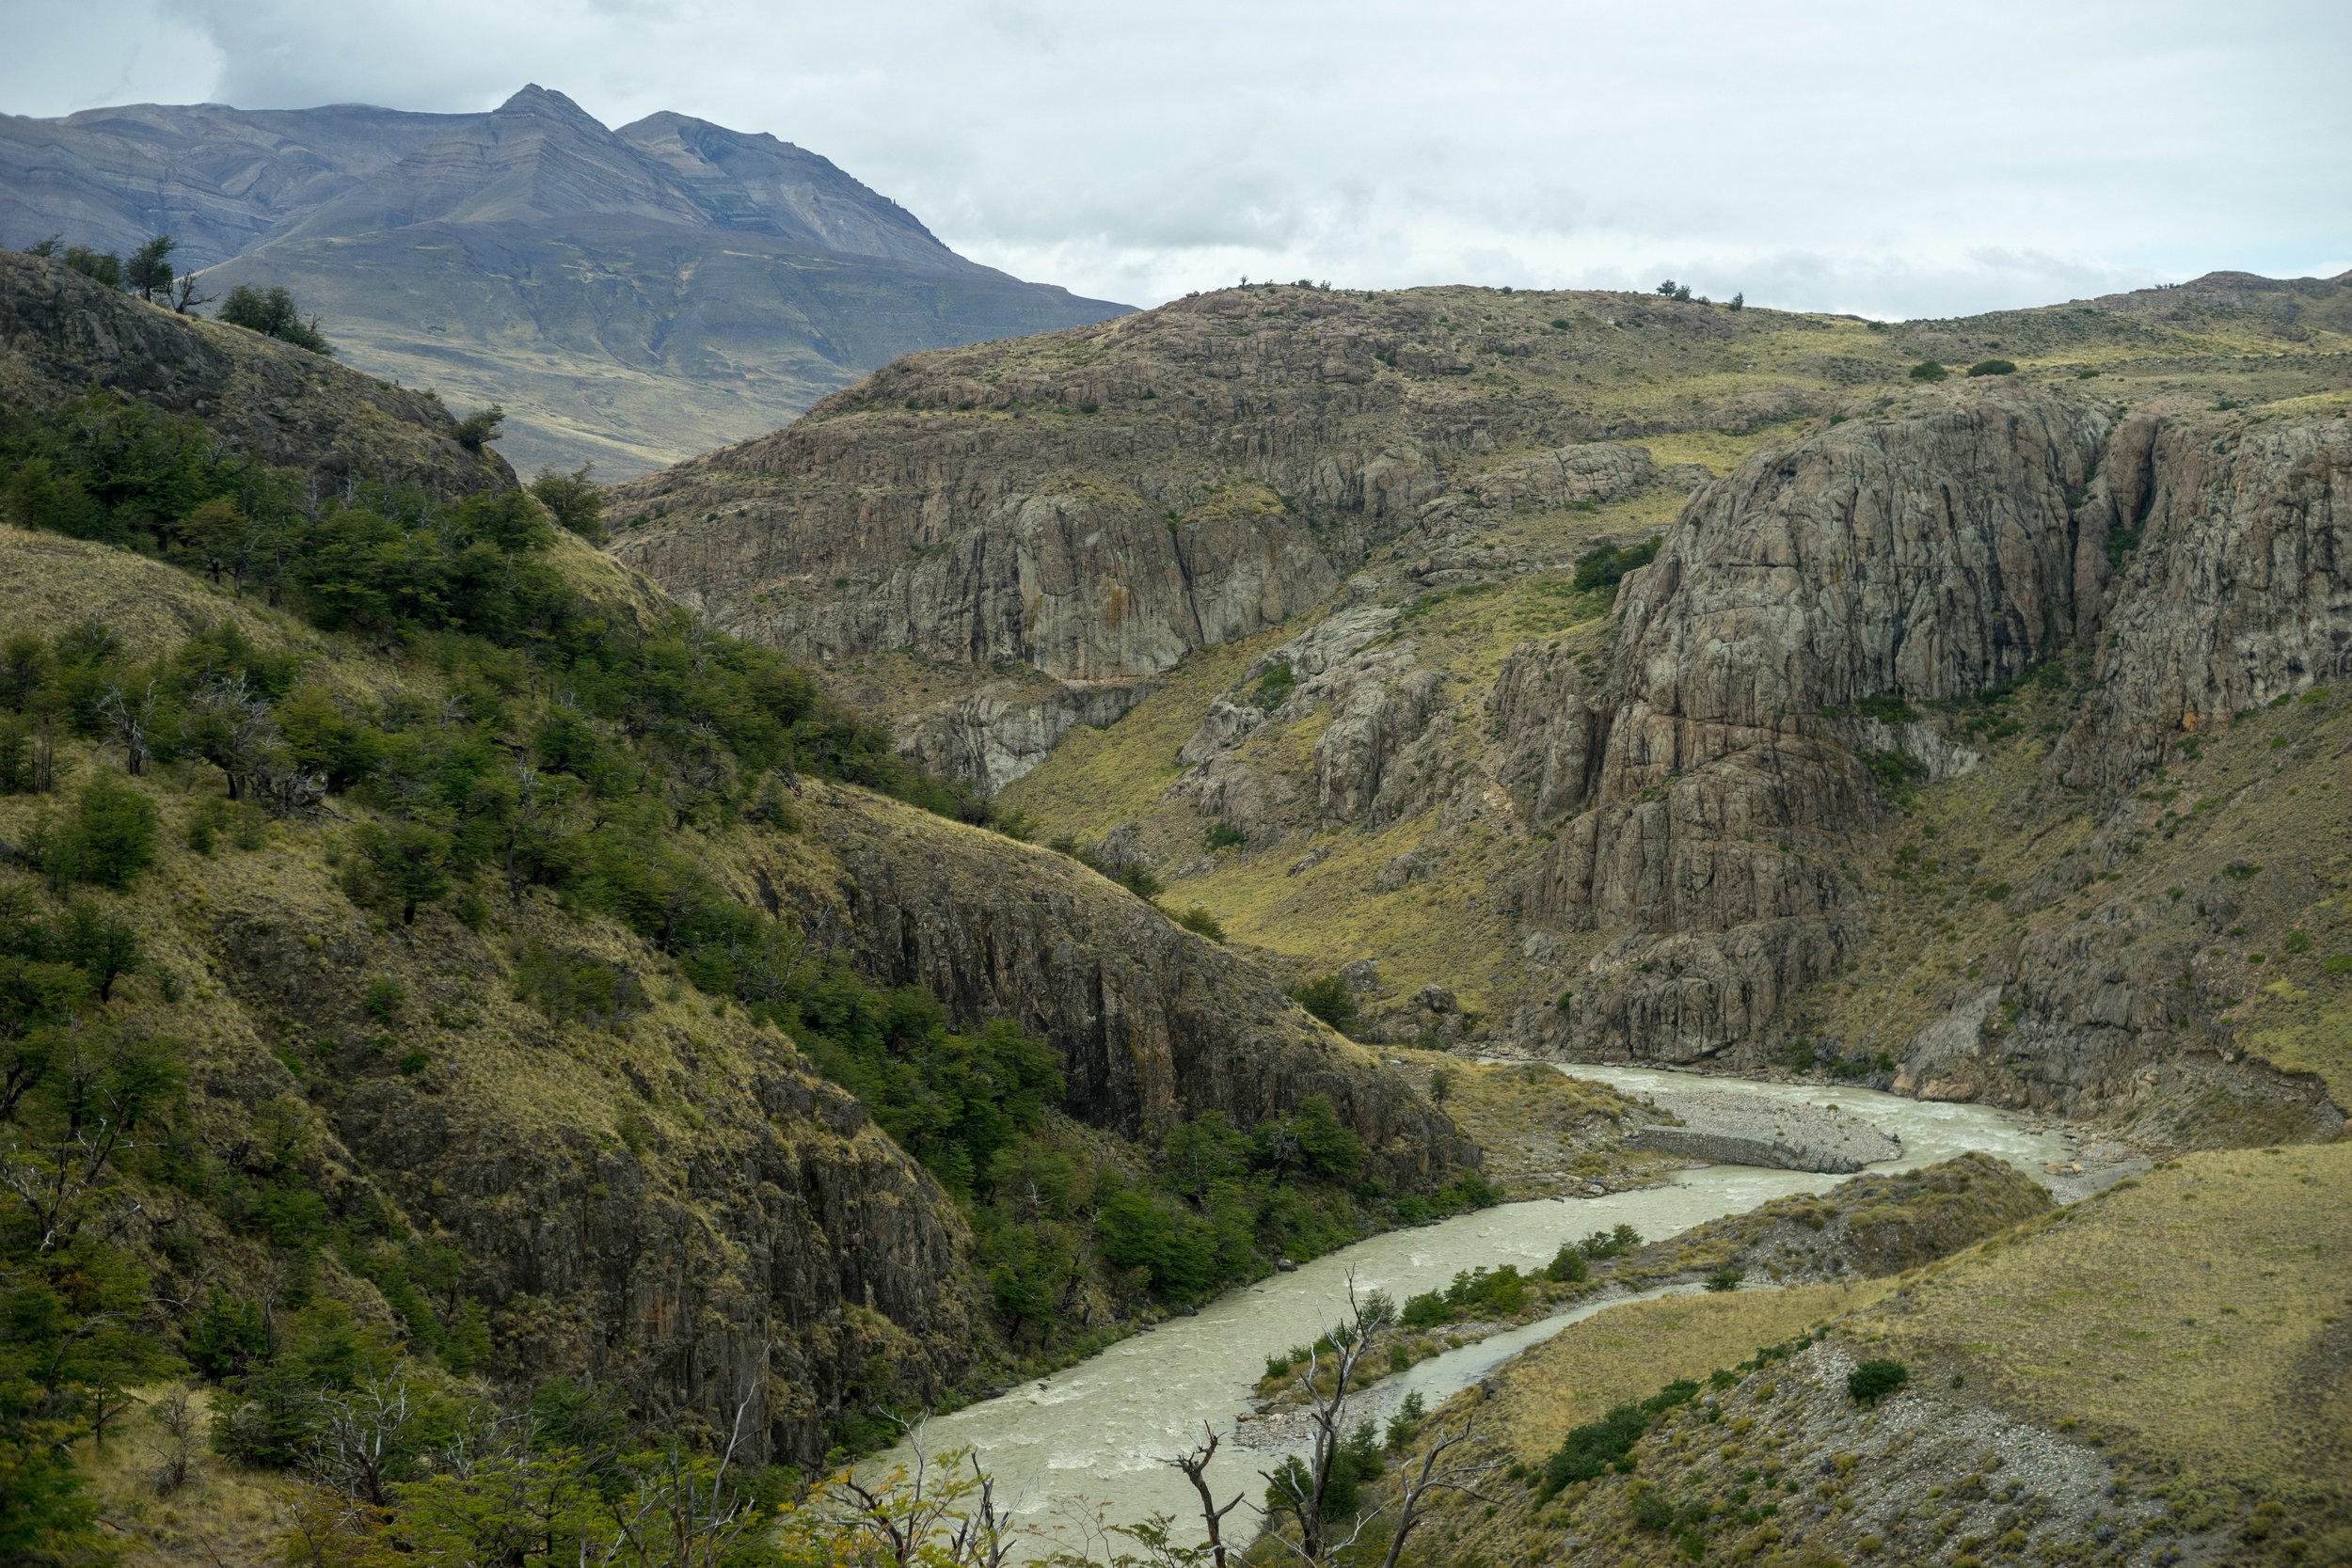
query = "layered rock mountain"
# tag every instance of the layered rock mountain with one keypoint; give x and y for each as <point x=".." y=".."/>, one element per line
<point x="1892" y="757"/>
<point x="629" y="296"/>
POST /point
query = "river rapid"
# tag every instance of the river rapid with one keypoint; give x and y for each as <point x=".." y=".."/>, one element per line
<point x="1090" y="1437"/>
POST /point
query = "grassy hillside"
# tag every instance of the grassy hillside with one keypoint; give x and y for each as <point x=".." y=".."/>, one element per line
<point x="2155" y="1372"/>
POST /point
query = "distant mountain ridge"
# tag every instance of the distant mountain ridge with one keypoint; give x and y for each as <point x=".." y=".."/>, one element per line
<point x="631" y="296"/>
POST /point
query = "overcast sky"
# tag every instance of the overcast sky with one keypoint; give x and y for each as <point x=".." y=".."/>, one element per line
<point x="1886" y="159"/>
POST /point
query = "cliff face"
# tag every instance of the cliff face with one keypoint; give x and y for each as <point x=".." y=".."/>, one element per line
<point x="1921" y="561"/>
<point x="1097" y="505"/>
<point x="1152" y="1022"/>
<point x="1713" y="795"/>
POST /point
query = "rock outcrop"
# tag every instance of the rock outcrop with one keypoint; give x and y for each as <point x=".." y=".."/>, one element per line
<point x="1803" y="617"/>
<point x="1153" y="1024"/>
<point x="1100" y="502"/>
<point x="60" y="332"/>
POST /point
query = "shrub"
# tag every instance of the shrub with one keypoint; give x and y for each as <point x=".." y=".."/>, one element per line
<point x="1328" y="999"/>
<point x="478" y="427"/>
<point x="1606" y="566"/>
<point x="575" y="503"/>
<point x="1992" y="367"/>
<point x="1274" y="688"/>
<point x="1137" y="878"/>
<point x="2298" y="941"/>
<point x="1567" y="1265"/>
<point x="1611" y="1244"/>
<point x="271" y="312"/>
<point x="1928" y="370"/>
<point x="1201" y="922"/>
<point x="1873" y="1380"/>
<point x="1726" y="1279"/>
<point x="1426" y="1310"/>
<point x="383" y="1000"/>
<point x="1223" y="835"/>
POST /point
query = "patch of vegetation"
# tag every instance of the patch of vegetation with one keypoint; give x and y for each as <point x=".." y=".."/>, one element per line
<point x="1328" y="998"/>
<point x="1602" y="568"/>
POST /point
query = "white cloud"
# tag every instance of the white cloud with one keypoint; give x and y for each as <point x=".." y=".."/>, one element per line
<point x="1834" y="154"/>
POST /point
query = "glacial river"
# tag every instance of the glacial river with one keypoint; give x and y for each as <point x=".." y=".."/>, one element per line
<point x="1092" y="1435"/>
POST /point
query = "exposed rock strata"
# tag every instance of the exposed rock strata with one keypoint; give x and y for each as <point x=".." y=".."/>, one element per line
<point x="1153" y="1023"/>
<point x="1100" y="502"/>
<point x="1710" y="788"/>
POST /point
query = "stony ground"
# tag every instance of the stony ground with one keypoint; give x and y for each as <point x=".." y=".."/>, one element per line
<point x="1812" y="1137"/>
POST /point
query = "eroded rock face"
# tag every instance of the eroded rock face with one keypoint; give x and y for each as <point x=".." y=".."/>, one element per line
<point x="1153" y="1024"/>
<point x="1000" y="732"/>
<point x="1100" y="502"/>
<point x="1710" y="787"/>
<point x="2235" y="590"/>
<point x="1924" y="560"/>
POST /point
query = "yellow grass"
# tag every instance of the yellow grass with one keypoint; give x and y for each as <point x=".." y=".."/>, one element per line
<point x="1629" y="1353"/>
<point x="2196" y="1318"/>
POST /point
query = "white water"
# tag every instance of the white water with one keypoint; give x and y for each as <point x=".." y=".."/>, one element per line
<point x="1092" y="1435"/>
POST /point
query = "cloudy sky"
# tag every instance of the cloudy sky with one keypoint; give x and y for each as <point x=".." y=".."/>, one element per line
<point x="1882" y="158"/>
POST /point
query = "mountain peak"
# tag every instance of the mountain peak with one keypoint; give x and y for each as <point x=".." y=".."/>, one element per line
<point x="534" y="99"/>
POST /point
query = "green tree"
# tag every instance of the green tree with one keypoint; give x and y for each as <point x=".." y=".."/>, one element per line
<point x="480" y="426"/>
<point x="575" y="503"/>
<point x="109" y="840"/>
<point x="100" y="268"/>
<point x="1928" y="370"/>
<point x="105" y="947"/>
<point x="272" y="313"/>
<point x="1328" y="998"/>
<point x="409" y="862"/>
<point x="148" y="271"/>
<point x="1201" y="1152"/>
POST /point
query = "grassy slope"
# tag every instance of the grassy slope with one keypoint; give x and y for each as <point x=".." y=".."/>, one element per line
<point x="2196" y="1319"/>
<point x="2170" y="1358"/>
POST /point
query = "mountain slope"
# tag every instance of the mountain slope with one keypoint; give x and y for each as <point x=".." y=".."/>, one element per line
<point x="414" y="916"/>
<point x="1311" y="601"/>
<point x="629" y="297"/>
<point x="215" y="178"/>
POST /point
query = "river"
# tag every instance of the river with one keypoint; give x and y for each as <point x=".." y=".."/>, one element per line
<point x="1092" y="1435"/>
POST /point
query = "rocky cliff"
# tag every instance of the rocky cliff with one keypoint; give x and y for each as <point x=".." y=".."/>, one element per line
<point x="1306" y="598"/>
<point x="1098" y="504"/>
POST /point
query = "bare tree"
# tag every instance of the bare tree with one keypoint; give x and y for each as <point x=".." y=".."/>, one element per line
<point x="1195" y="1464"/>
<point x="1299" y="1490"/>
<point x="359" y="1440"/>
<point x="176" y="1419"/>
<point x="1436" y="1473"/>
<point x="233" y="730"/>
<point x="185" y="298"/>
<point x="930" y="1513"/>
<point x="128" y="724"/>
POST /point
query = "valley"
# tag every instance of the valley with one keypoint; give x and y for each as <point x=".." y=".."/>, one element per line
<point x="997" y="900"/>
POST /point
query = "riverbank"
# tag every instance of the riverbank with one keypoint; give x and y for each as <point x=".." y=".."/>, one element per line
<point x="1092" y="1436"/>
<point x="1867" y="1228"/>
